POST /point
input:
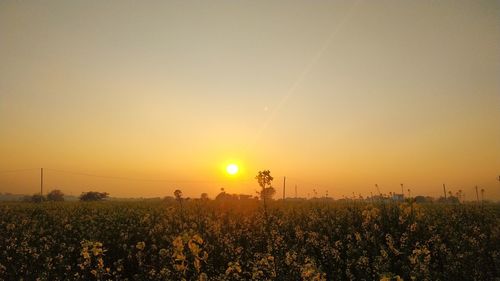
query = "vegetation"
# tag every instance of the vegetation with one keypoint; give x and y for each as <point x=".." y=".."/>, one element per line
<point x="93" y="196"/>
<point x="35" y="198"/>
<point x="55" y="195"/>
<point x="232" y="240"/>
<point x="265" y="180"/>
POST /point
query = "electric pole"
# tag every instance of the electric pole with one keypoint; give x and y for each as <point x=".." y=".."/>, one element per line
<point x="284" y="184"/>
<point x="444" y="191"/>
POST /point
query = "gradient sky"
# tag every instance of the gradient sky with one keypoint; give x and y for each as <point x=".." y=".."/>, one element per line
<point x="335" y="95"/>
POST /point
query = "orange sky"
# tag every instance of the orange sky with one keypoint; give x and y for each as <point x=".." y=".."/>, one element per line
<point x="335" y="95"/>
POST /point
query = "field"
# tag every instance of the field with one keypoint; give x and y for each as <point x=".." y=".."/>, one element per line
<point x="213" y="240"/>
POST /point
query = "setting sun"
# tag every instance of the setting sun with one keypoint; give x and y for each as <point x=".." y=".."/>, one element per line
<point x="232" y="169"/>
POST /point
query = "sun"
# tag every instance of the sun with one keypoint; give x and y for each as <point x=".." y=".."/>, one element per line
<point x="232" y="169"/>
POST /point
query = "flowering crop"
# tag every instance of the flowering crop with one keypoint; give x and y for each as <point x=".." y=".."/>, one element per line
<point x="212" y="240"/>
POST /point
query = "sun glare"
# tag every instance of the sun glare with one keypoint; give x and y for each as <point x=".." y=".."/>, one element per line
<point x="232" y="169"/>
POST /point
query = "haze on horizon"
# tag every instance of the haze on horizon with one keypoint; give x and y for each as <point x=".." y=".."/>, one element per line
<point x="335" y="95"/>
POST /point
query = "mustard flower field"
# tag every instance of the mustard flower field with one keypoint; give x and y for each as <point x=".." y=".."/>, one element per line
<point x="240" y="240"/>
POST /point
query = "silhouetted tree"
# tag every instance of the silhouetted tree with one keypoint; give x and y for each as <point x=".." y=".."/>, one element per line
<point x="267" y="193"/>
<point x="168" y="199"/>
<point x="245" y="197"/>
<point x="449" y="200"/>
<point x="178" y="195"/>
<point x="37" y="198"/>
<point x="226" y="196"/>
<point x="204" y="197"/>
<point x="423" y="199"/>
<point x="264" y="178"/>
<point x="55" y="195"/>
<point x="93" y="196"/>
<point x="178" y="198"/>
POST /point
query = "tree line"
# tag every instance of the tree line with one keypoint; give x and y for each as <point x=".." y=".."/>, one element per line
<point x="266" y="193"/>
<point x="57" y="195"/>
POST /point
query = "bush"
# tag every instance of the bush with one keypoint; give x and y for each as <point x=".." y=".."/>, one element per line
<point x="55" y="195"/>
<point x="93" y="196"/>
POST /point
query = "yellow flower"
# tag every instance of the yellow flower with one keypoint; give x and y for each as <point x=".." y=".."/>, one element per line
<point x="140" y="245"/>
<point x="163" y="252"/>
<point x="203" y="277"/>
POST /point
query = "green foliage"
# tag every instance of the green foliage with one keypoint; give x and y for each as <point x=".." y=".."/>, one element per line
<point x="228" y="240"/>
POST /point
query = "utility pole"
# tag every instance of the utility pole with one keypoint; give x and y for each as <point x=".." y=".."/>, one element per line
<point x="444" y="191"/>
<point x="284" y="185"/>
<point x="477" y="195"/>
<point x="295" y="191"/>
<point x="41" y="181"/>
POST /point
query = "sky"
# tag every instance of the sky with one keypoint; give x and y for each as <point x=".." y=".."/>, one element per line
<point x="139" y="98"/>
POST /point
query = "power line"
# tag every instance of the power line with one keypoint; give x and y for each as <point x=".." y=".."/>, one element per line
<point x="16" y="171"/>
<point x="117" y="177"/>
<point x="131" y="179"/>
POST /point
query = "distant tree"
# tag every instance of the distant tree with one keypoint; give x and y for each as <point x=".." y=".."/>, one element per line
<point x="449" y="200"/>
<point x="204" y="197"/>
<point x="422" y="199"/>
<point x="222" y="195"/>
<point x="178" y="198"/>
<point x="267" y="193"/>
<point x="93" y="196"/>
<point x="245" y="197"/>
<point x="37" y="198"/>
<point x="226" y="196"/>
<point x="168" y="199"/>
<point x="264" y="178"/>
<point x="55" y="195"/>
<point x="178" y="195"/>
